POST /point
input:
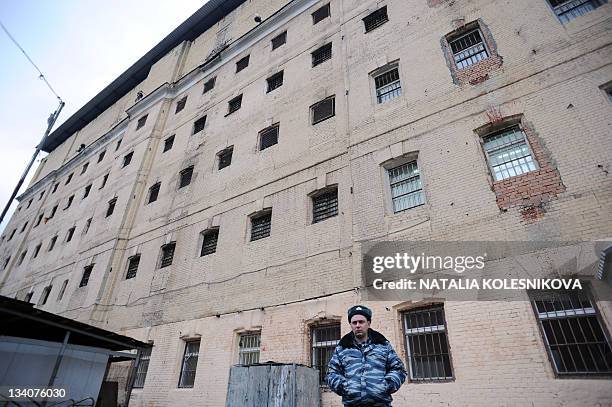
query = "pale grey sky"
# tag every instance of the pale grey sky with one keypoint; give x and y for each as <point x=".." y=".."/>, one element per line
<point x="80" y="46"/>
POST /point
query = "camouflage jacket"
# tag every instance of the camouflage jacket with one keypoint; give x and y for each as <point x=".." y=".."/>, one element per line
<point x="367" y="375"/>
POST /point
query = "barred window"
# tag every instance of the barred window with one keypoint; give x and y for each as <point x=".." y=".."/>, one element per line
<point x="324" y="205"/>
<point x="209" y="84"/>
<point x="508" y="153"/>
<point x="111" y="207"/>
<point x="260" y="225"/>
<point x="185" y="177"/>
<point x="143" y="366"/>
<point x="321" y="54"/>
<point x="567" y="10"/>
<point x="279" y="40"/>
<point x="575" y="339"/>
<point x="376" y="19"/>
<point x="167" y="255"/>
<point x="127" y="159"/>
<point x="242" y="63"/>
<point x="427" y="344"/>
<point x="190" y="363"/>
<point x="275" y="81"/>
<point x="45" y="295"/>
<point x="225" y="157"/>
<point x="86" y="274"/>
<point x="154" y="192"/>
<point x="323" y="110"/>
<point x="62" y="290"/>
<point x="234" y="104"/>
<point x="180" y="105"/>
<point x="387" y="85"/>
<point x="268" y="137"/>
<point x="406" y="186"/>
<point x="209" y="242"/>
<point x="132" y="269"/>
<point x="168" y="143"/>
<point x="248" y="348"/>
<point x="324" y="341"/>
<point x="468" y="48"/>
<point x="198" y="126"/>
<point x="141" y="122"/>
<point x="320" y="14"/>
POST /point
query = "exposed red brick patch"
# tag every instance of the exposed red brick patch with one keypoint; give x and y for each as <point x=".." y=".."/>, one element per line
<point x="532" y="191"/>
<point x="479" y="72"/>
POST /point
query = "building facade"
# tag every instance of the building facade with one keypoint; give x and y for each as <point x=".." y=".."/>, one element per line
<point x="215" y="198"/>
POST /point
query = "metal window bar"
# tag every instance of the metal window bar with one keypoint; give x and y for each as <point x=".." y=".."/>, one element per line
<point x="509" y="154"/>
<point x="322" y="54"/>
<point x="468" y="49"/>
<point x="324" y="206"/>
<point x="133" y="263"/>
<point x="86" y="274"/>
<point x="260" y="226"/>
<point x="324" y="341"/>
<point x="225" y="157"/>
<point x="268" y="137"/>
<point x="248" y="348"/>
<point x="168" y="143"/>
<point x="573" y="335"/>
<point x="186" y="177"/>
<point x="406" y="187"/>
<point x="279" y="40"/>
<point x="154" y="192"/>
<point x="323" y="110"/>
<point x="209" y="242"/>
<point x="376" y="19"/>
<point x="143" y="367"/>
<point x="427" y="344"/>
<point x="275" y="81"/>
<point x="167" y="255"/>
<point x="190" y="363"/>
<point x="388" y="85"/>
<point x="320" y="14"/>
<point x="234" y="104"/>
<point x="568" y="10"/>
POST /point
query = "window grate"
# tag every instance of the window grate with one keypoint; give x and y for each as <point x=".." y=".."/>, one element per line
<point x="279" y="40"/>
<point x="141" y="122"/>
<point x="468" y="49"/>
<point x="133" y="263"/>
<point x="508" y="153"/>
<point x="275" y="81"/>
<point x="209" y="84"/>
<point x="154" y="192"/>
<point x="387" y="85"/>
<point x="225" y="157"/>
<point x="427" y="344"/>
<point x="320" y="14"/>
<point x="198" y="126"/>
<point x="185" y="177"/>
<point x="168" y="143"/>
<point x="209" y="242"/>
<point x="234" y="104"/>
<point x="242" y="63"/>
<point x="260" y="226"/>
<point x="190" y="364"/>
<point x="376" y="19"/>
<point x="324" y="341"/>
<point x="268" y="137"/>
<point x="567" y="10"/>
<point x="143" y="367"/>
<point x="573" y="335"/>
<point x="406" y="187"/>
<point x="321" y="54"/>
<point x="323" y="110"/>
<point x="249" y="348"/>
<point x="167" y="255"/>
<point x="324" y="205"/>
<point x="86" y="274"/>
<point x="180" y="105"/>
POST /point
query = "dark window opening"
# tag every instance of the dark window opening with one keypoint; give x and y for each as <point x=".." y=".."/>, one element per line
<point x="198" y="125"/>
<point x="154" y="192"/>
<point x="23" y="228"/>
<point x="87" y="189"/>
<point x="323" y="342"/>
<point x="68" y="179"/>
<point x="242" y="63"/>
<point x="387" y="85"/>
<point x="55" y="188"/>
<point x="70" y="199"/>
<point x="185" y="177"/>
<point x="320" y="14"/>
<point x="118" y="144"/>
<point x="70" y="234"/>
<point x="234" y="104"/>
<point x="468" y="49"/>
<point x="279" y="40"/>
<point x="62" y="290"/>
<point x="141" y="122"/>
<point x="268" y="137"/>
<point x="133" y="263"/>
<point x="567" y="10"/>
<point x="29" y="203"/>
<point x="127" y="159"/>
<point x="28" y="296"/>
<point x="36" y="250"/>
<point x="86" y="274"/>
<point x="53" y="210"/>
<point x="275" y="81"/>
<point x="22" y="257"/>
<point x="167" y="255"/>
<point x="143" y="366"/>
<point x="45" y="295"/>
<point x="40" y="218"/>
<point x="321" y="54"/>
<point x="225" y="157"/>
<point x="168" y="143"/>
<point x="324" y="205"/>
<point x="104" y="181"/>
<point x="261" y="225"/>
<point x="180" y="105"/>
<point x="323" y="110"/>
<point x="52" y="243"/>
<point x="84" y="168"/>
<point x="189" y="365"/>
<point x="209" y="84"/>
<point x="101" y="156"/>
<point x="111" y="207"/>
<point x="209" y="242"/>
<point x="376" y="19"/>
